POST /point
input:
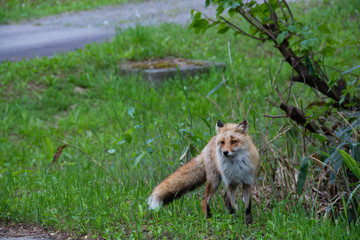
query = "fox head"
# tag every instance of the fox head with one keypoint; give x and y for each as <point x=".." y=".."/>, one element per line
<point x="231" y="138"/>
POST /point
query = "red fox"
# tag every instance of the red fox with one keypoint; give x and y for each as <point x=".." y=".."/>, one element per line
<point x="230" y="156"/>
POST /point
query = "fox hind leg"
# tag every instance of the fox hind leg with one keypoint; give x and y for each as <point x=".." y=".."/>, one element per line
<point x="210" y="189"/>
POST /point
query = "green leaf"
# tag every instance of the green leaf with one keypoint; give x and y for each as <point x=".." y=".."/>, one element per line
<point x="197" y="16"/>
<point x="138" y="159"/>
<point x="131" y="112"/>
<point x="304" y="166"/>
<point x="48" y="148"/>
<point x="351" y="163"/>
<point x="323" y="28"/>
<point x="223" y="28"/>
<point x="140" y="211"/>
<point x="310" y="43"/>
<point x="119" y="140"/>
<point x="319" y="137"/>
<point x="128" y="135"/>
<point x="219" y="10"/>
<point x="329" y="51"/>
<point x="291" y="28"/>
<point x="207" y="3"/>
<point x="281" y="37"/>
<point x="199" y="25"/>
<point x="231" y="12"/>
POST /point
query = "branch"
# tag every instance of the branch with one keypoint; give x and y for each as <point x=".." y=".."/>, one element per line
<point x="288" y="8"/>
<point x="298" y="116"/>
<point x="240" y="30"/>
<point x="282" y="10"/>
<point x="253" y="21"/>
<point x="276" y="116"/>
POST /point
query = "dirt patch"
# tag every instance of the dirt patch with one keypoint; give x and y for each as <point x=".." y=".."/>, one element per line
<point x="17" y="230"/>
<point x="35" y="86"/>
<point x="10" y="90"/>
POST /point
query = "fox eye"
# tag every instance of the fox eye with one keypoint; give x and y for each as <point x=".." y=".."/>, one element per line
<point x="234" y="141"/>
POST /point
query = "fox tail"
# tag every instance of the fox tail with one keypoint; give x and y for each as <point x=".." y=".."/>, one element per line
<point x="185" y="179"/>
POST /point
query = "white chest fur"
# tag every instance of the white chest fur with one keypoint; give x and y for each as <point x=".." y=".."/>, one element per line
<point x="236" y="170"/>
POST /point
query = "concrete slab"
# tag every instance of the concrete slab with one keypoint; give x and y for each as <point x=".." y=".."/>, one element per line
<point x="187" y="68"/>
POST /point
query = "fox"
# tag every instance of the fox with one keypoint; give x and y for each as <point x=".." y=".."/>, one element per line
<point x="230" y="156"/>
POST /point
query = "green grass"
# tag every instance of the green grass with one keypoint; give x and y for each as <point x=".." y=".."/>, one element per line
<point x="17" y="10"/>
<point x="138" y="133"/>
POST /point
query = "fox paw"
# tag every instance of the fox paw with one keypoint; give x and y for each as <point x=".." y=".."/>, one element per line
<point x="248" y="219"/>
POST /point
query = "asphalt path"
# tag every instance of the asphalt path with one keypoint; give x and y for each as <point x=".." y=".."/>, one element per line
<point x="69" y="31"/>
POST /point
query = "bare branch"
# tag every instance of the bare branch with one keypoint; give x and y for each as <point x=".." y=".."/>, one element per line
<point x="261" y="26"/>
<point x="272" y="102"/>
<point x="298" y="116"/>
<point x="240" y="30"/>
<point x="288" y="8"/>
<point x="291" y="83"/>
<point x="87" y="155"/>
<point x="253" y="21"/>
<point x="276" y="116"/>
<point x="282" y="10"/>
<point x="346" y="121"/>
<point x="278" y="92"/>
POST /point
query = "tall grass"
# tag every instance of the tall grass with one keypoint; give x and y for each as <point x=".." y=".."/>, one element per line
<point x="137" y="133"/>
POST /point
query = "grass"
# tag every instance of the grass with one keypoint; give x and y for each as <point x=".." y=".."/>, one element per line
<point x="17" y="10"/>
<point x="138" y="132"/>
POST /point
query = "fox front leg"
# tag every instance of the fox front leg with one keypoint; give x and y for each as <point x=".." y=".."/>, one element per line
<point x="229" y="198"/>
<point x="247" y="200"/>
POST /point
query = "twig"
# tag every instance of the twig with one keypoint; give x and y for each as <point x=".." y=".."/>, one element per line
<point x="70" y="145"/>
<point x="282" y="10"/>
<point x="240" y="30"/>
<point x="322" y="163"/>
<point x="253" y="21"/>
<point x="278" y="106"/>
<point x="291" y="83"/>
<point x="288" y="8"/>
<point x="278" y="92"/>
<point x="213" y="102"/>
<point x="277" y="136"/>
<point x="346" y="121"/>
<point x="276" y="116"/>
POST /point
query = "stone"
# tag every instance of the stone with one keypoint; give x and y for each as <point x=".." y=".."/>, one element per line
<point x="160" y="70"/>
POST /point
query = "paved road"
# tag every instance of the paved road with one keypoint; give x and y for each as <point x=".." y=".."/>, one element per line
<point x="69" y="31"/>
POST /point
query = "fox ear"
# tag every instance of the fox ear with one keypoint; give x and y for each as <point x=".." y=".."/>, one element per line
<point x="219" y="124"/>
<point x="243" y="127"/>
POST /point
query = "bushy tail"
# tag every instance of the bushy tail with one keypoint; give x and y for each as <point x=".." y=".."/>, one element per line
<point x="185" y="179"/>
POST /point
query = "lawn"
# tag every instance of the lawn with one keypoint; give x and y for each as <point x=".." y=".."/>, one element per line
<point x="129" y="135"/>
<point x="17" y="10"/>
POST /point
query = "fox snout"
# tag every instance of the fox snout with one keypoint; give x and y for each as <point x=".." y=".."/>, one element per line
<point x="227" y="153"/>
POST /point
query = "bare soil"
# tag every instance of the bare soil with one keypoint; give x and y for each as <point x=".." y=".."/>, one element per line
<point x="27" y="231"/>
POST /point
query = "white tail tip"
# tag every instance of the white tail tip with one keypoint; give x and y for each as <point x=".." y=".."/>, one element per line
<point x="154" y="202"/>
